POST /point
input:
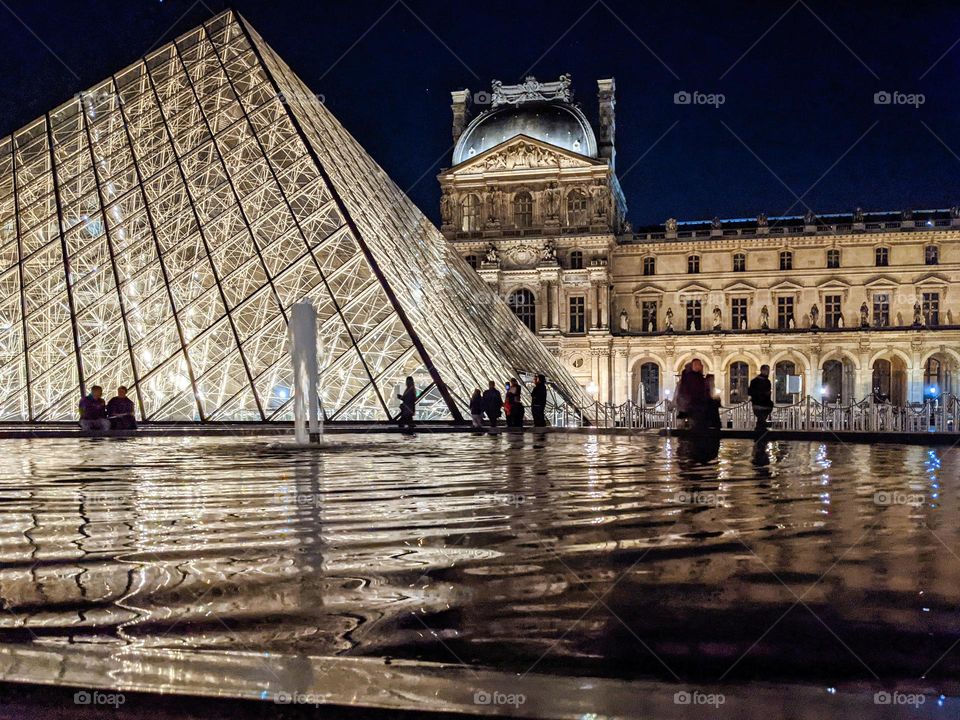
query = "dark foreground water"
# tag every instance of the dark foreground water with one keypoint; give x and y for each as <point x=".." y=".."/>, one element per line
<point x="624" y="557"/>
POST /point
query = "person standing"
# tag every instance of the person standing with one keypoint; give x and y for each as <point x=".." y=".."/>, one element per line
<point x="538" y="401"/>
<point x="760" y="392"/>
<point x="516" y="413"/>
<point x="492" y="403"/>
<point x="93" y="411"/>
<point x="692" y="395"/>
<point x="408" y="404"/>
<point x="476" y="409"/>
<point x="120" y="411"/>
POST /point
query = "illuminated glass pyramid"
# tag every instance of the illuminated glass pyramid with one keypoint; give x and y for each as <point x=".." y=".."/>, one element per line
<point x="155" y="230"/>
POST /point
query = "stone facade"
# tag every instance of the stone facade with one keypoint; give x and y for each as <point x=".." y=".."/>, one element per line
<point x="841" y="307"/>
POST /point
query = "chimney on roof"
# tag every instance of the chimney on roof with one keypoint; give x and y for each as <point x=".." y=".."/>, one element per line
<point x="606" y="89"/>
<point x="460" y="105"/>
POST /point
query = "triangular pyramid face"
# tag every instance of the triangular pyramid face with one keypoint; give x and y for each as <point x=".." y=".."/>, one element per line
<point x="156" y="230"/>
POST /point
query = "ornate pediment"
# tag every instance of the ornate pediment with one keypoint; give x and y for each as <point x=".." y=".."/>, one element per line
<point x="524" y="153"/>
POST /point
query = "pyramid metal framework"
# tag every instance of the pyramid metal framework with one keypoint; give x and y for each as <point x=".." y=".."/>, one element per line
<point x="156" y="229"/>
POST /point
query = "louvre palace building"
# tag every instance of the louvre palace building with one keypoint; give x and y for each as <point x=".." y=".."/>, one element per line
<point x="841" y="306"/>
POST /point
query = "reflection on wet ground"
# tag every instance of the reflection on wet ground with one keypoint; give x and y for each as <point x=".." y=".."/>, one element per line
<point x="626" y="557"/>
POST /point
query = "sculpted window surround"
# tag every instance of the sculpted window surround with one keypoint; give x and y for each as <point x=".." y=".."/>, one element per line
<point x="470" y="213"/>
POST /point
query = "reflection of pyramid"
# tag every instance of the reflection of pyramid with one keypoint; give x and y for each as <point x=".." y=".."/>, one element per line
<point x="135" y="249"/>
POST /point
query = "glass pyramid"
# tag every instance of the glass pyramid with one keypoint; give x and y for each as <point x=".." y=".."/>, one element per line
<point x="156" y="229"/>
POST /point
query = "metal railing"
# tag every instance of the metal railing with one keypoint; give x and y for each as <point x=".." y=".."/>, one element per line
<point x="939" y="415"/>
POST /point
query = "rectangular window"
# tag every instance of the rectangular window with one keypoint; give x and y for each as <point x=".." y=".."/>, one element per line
<point x="694" y="315"/>
<point x="881" y="310"/>
<point x="578" y="314"/>
<point x="648" y="311"/>
<point x="784" y="313"/>
<point x="931" y="308"/>
<point x="738" y="313"/>
<point x="833" y="258"/>
<point x="693" y="264"/>
<point x="832" y="310"/>
<point x="882" y="256"/>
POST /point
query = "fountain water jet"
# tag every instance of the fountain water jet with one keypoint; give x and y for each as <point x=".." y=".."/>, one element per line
<point x="303" y="356"/>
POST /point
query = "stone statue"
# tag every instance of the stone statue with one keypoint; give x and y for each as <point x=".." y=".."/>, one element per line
<point x="446" y="208"/>
<point x="624" y="321"/>
<point x="864" y="315"/>
<point x="955" y="212"/>
<point x="814" y="316"/>
<point x="840" y="321"/>
<point x="858" y="215"/>
<point x="907" y="215"/>
<point x="917" y="314"/>
<point x="670" y="225"/>
<point x="762" y="220"/>
<point x="791" y="324"/>
<point x="495" y="196"/>
<point x="716" y="224"/>
<point x="764" y="318"/>
<point x="717" y="319"/>
<point x="809" y="218"/>
<point x="598" y="193"/>
<point x="493" y="257"/>
<point x="669" y="320"/>
<point x="549" y="252"/>
<point x="552" y="200"/>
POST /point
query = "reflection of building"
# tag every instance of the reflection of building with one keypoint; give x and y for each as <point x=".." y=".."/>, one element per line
<point x="850" y="303"/>
<point x="156" y="229"/>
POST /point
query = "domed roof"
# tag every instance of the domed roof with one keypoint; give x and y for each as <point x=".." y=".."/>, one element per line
<point x="556" y="123"/>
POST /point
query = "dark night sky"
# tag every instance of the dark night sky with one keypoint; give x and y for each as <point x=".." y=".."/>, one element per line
<point x="798" y="101"/>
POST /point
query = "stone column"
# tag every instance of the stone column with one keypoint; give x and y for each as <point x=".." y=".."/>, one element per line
<point x="621" y="382"/>
<point x="604" y="378"/>
<point x="604" y="306"/>
<point x="543" y="319"/>
<point x="556" y="305"/>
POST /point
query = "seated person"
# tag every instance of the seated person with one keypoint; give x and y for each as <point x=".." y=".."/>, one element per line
<point x="120" y="411"/>
<point x="93" y="411"/>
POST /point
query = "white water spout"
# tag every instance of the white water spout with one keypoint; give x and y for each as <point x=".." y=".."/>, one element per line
<point x="303" y="355"/>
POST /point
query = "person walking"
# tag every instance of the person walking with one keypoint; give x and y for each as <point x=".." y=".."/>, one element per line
<point x="476" y="409"/>
<point x="93" y="412"/>
<point x="120" y="411"/>
<point x="538" y="401"/>
<point x="760" y="392"/>
<point x="408" y="404"/>
<point x="492" y="403"/>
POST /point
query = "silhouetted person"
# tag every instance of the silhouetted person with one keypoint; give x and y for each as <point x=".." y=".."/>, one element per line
<point x="711" y="420"/>
<point x="120" y="411"/>
<point x="538" y="401"/>
<point x="492" y="403"/>
<point x="476" y="408"/>
<point x="408" y="404"/>
<point x="93" y="411"/>
<point x="693" y="396"/>
<point x="515" y="404"/>
<point x="760" y="391"/>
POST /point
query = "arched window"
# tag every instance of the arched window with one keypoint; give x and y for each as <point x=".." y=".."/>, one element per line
<point x="472" y="261"/>
<point x="832" y="381"/>
<point x="833" y="258"/>
<point x="576" y="208"/>
<point x="524" y="306"/>
<point x="650" y="383"/>
<point x="576" y="260"/>
<point x="650" y="265"/>
<point x="881" y="256"/>
<point x="739" y="262"/>
<point x="523" y="210"/>
<point x="933" y="377"/>
<point x="739" y="375"/>
<point x="786" y="260"/>
<point x="693" y="264"/>
<point x="470" y="213"/>
<point x="784" y="370"/>
<point x="931" y="255"/>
